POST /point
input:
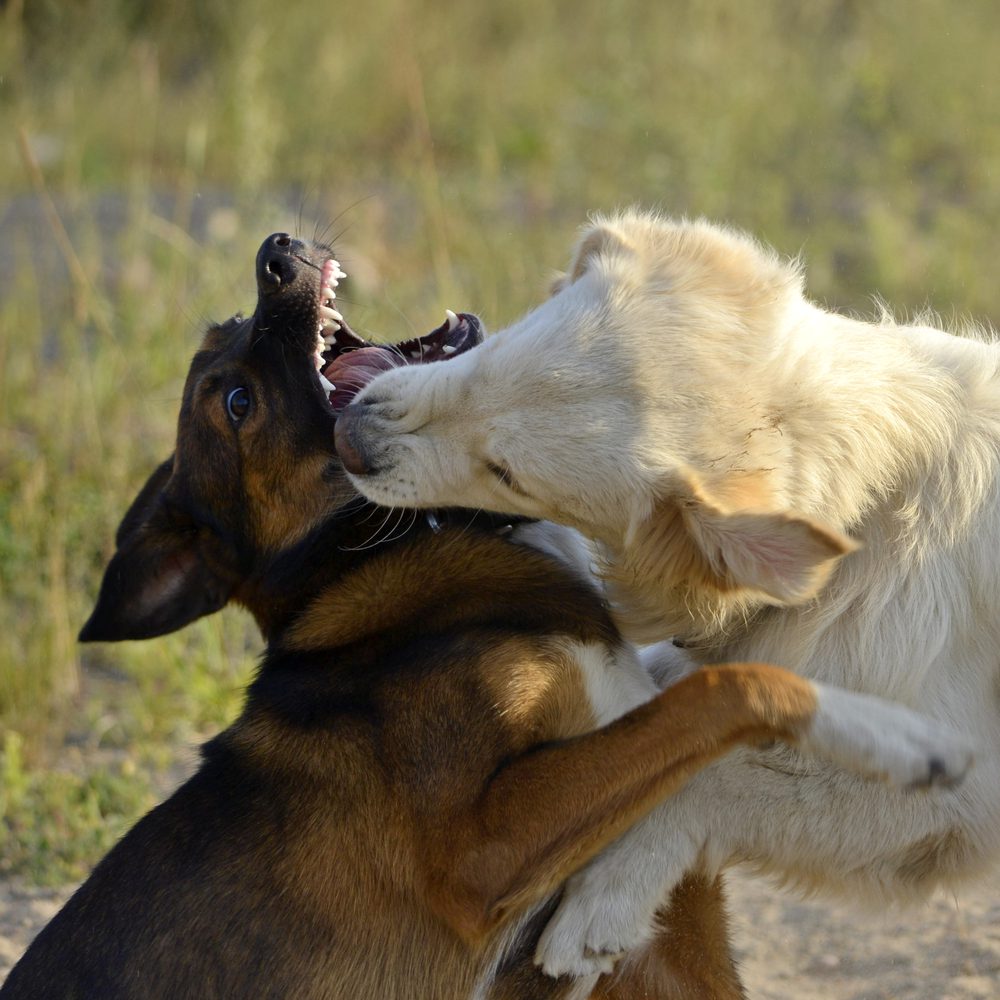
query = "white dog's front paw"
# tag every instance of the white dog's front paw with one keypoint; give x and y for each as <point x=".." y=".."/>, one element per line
<point x="591" y="930"/>
<point x="885" y="740"/>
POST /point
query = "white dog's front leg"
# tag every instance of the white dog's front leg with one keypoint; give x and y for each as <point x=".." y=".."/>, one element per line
<point x="784" y="810"/>
<point x="881" y="739"/>
<point x="610" y="906"/>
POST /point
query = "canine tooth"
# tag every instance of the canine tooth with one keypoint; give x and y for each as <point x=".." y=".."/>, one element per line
<point x="452" y="319"/>
<point x="328" y="313"/>
<point x="331" y="324"/>
<point x="328" y="386"/>
<point x="448" y="348"/>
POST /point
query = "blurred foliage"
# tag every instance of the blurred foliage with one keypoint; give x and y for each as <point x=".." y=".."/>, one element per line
<point x="56" y="823"/>
<point x="451" y="150"/>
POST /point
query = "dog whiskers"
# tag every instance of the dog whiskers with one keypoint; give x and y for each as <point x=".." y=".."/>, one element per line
<point x="394" y="533"/>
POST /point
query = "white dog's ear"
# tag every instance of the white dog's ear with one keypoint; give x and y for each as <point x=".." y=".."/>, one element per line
<point x="785" y="556"/>
<point x="597" y="238"/>
<point x="559" y="281"/>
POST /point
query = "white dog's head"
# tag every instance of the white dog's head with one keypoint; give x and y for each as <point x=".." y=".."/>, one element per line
<point x="631" y="406"/>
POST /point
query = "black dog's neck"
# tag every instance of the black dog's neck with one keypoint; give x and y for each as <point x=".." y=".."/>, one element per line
<point x="277" y="592"/>
<point x="482" y="520"/>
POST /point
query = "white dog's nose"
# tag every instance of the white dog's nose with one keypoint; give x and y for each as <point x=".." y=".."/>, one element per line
<point x="346" y="440"/>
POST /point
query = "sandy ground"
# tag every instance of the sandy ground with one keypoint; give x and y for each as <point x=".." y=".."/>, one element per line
<point x="948" y="949"/>
<point x="789" y="950"/>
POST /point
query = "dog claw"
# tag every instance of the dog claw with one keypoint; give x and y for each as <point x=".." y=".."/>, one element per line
<point x="938" y="776"/>
<point x="606" y="959"/>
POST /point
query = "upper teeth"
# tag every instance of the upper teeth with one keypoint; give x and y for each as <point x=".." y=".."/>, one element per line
<point x="332" y="275"/>
<point x="452" y="319"/>
<point x="328" y="316"/>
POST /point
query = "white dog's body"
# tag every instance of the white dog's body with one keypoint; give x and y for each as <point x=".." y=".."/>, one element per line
<point x="680" y="401"/>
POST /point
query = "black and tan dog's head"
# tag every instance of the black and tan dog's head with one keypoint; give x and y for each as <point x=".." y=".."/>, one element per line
<point x="254" y="471"/>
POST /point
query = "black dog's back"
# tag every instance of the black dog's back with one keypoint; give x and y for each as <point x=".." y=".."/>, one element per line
<point x="170" y="912"/>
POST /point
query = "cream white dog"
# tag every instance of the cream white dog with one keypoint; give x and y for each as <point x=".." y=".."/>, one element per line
<point x="768" y="481"/>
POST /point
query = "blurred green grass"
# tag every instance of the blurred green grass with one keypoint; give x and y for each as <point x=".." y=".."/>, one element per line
<point x="451" y="149"/>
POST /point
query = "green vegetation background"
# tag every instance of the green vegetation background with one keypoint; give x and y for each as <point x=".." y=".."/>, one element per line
<point x="451" y="149"/>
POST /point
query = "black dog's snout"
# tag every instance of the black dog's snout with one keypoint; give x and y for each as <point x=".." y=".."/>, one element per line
<point x="272" y="272"/>
<point x="289" y="273"/>
<point x="276" y="267"/>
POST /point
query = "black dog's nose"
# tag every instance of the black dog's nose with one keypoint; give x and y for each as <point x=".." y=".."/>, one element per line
<point x="276" y="267"/>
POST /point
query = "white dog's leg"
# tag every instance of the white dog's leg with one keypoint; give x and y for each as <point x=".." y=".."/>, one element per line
<point x="793" y="818"/>
<point x="666" y="663"/>
<point x="881" y="739"/>
<point x="609" y="907"/>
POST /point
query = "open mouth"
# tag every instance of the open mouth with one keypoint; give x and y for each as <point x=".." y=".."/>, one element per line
<point x="346" y="363"/>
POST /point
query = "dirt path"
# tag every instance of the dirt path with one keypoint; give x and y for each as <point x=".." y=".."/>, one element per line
<point x="789" y="950"/>
<point x="23" y="913"/>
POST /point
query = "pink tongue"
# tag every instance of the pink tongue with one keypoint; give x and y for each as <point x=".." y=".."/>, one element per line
<point x="351" y="371"/>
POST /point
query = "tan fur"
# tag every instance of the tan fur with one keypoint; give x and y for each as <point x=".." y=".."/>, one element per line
<point x="541" y="693"/>
<point x="694" y="923"/>
<point x="680" y="555"/>
<point x="275" y="493"/>
<point x="926" y="859"/>
<point x="582" y="785"/>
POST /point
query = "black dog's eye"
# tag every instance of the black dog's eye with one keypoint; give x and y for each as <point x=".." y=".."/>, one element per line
<point x="238" y="404"/>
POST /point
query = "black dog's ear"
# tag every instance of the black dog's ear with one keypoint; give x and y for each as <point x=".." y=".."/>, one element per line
<point x="157" y="581"/>
<point x="142" y="506"/>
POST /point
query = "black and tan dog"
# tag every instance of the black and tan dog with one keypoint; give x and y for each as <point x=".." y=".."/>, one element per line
<point x="417" y="768"/>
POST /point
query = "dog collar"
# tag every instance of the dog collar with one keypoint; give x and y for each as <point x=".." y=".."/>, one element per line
<point x="501" y="524"/>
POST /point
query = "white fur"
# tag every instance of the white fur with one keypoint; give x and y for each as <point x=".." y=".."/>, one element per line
<point x="773" y="482"/>
<point x="614" y="680"/>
